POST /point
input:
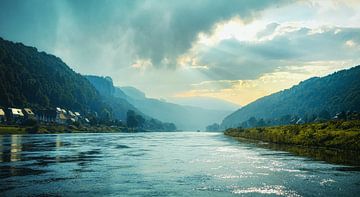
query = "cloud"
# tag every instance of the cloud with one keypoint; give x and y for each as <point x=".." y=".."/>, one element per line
<point x="154" y="30"/>
<point x="274" y="47"/>
<point x="192" y="47"/>
<point x="243" y="92"/>
<point x="277" y="57"/>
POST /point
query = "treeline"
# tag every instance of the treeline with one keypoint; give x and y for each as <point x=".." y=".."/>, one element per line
<point x="332" y="134"/>
<point x="137" y="121"/>
<point x="323" y="116"/>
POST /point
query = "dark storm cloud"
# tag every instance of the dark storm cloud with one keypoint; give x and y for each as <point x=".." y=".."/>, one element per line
<point x="152" y="30"/>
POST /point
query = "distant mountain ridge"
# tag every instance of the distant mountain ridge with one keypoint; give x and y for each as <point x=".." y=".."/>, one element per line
<point x="184" y="117"/>
<point x="334" y="93"/>
<point x="106" y="88"/>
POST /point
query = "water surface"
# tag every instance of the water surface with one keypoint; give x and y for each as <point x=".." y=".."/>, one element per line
<point x="162" y="164"/>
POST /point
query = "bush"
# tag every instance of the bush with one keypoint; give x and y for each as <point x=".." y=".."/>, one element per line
<point x="30" y="122"/>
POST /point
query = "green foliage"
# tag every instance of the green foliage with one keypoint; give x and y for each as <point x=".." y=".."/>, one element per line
<point x="132" y="120"/>
<point x="331" y="134"/>
<point x="30" y="122"/>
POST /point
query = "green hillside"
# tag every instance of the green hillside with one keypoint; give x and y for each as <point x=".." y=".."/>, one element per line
<point x="329" y="95"/>
<point x="30" y="78"/>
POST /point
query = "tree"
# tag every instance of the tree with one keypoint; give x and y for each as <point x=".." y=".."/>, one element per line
<point x="131" y="119"/>
<point x="140" y="120"/>
<point x="252" y="122"/>
<point x="261" y="123"/>
<point x="324" y="114"/>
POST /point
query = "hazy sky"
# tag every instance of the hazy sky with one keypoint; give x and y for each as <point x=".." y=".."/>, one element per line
<point x="233" y="50"/>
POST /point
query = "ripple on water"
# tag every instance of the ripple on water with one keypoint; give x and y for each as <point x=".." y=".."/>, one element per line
<point x="10" y="171"/>
<point x="267" y="190"/>
<point x="325" y="182"/>
<point x="120" y="146"/>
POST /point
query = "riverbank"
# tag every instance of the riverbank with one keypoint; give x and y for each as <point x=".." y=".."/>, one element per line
<point x="48" y="129"/>
<point x="343" y="135"/>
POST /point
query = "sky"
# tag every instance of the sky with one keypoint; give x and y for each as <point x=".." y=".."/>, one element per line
<point x="233" y="50"/>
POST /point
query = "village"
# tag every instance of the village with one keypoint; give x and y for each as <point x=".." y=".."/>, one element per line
<point x="16" y="116"/>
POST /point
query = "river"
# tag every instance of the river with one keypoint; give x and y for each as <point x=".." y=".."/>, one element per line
<point x="162" y="164"/>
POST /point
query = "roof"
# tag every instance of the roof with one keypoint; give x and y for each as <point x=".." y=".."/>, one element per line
<point x="15" y="111"/>
<point x="2" y="113"/>
<point x="71" y="113"/>
<point x="28" y="111"/>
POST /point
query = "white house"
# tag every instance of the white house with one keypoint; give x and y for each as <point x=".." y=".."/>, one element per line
<point x="28" y="113"/>
<point x="2" y="116"/>
<point x="16" y="115"/>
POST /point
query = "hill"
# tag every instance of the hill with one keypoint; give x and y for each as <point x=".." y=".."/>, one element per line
<point x="328" y="95"/>
<point x="121" y="104"/>
<point x="30" y="78"/>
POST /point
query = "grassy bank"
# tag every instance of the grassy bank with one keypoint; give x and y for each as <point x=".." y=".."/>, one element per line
<point x="16" y="129"/>
<point x="343" y="135"/>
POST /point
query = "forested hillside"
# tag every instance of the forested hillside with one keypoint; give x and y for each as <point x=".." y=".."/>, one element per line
<point x="105" y="86"/>
<point x="29" y="78"/>
<point x="325" y="96"/>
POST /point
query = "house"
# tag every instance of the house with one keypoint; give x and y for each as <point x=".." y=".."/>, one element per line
<point x="61" y="116"/>
<point x="87" y="121"/>
<point x="16" y="115"/>
<point x="2" y="116"/>
<point x="46" y="116"/>
<point x="28" y="114"/>
<point x="72" y="116"/>
<point x="78" y="116"/>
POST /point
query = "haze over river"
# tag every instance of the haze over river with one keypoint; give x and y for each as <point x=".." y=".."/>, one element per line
<point x="162" y="164"/>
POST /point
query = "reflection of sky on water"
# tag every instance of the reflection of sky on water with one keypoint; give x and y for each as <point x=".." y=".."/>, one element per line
<point x="15" y="148"/>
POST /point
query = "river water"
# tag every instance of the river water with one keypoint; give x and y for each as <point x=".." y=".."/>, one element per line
<point x="162" y="164"/>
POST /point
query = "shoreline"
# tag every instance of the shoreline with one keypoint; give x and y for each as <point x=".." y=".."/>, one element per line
<point x="333" y="142"/>
<point x="58" y="129"/>
<point x="341" y="135"/>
